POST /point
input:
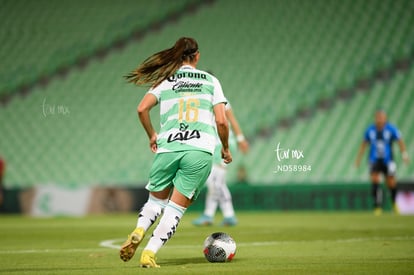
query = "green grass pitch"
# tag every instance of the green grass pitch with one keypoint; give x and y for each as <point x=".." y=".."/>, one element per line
<point x="267" y="243"/>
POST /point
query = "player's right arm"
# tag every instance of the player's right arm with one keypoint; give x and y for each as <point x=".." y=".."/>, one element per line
<point x="361" y="152"/>
<point x="143" y="110"/>
<point x="223" y="131"/>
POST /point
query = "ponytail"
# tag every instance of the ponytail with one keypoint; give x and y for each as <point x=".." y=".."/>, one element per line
<point x="164" y="64"/>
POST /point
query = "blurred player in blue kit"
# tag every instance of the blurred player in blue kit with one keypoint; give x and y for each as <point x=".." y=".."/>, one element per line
<point x="380" y="137"/>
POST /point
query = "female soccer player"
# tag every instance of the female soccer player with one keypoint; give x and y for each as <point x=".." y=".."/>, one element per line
<point x="192" y="107"/>
<point x="218" y="193"/>
<point x="380" y="137"/>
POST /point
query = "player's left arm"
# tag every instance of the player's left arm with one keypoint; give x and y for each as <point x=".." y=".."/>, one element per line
<point x="401" y="144"/>
<point x="361" y="151"/>
<point x="143" y="110"/>
<point x="223" y="131"/>
<point x="403" y="150"/>
<point x="241" y="140"/>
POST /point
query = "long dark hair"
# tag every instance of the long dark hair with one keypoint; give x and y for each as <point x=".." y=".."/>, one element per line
<point x="164" y="64"/>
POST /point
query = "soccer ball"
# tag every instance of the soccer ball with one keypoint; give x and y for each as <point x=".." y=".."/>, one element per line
<point x="219" y="247"/>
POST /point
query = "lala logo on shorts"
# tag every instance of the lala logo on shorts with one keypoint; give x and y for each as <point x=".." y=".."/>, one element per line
<point x="185" y="134"/>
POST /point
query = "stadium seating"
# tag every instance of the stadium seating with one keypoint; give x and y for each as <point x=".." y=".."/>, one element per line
<point x="273" y="60"/>
<point x="39" y="37"/>
<point x="330" y="139"/>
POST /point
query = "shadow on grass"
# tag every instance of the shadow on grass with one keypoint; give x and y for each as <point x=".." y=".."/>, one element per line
<point x="193" y="260"/>
<point x="183" y="261"/>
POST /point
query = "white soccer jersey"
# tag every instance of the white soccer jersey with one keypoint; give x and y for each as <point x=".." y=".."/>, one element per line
<point x="186" y="110"/>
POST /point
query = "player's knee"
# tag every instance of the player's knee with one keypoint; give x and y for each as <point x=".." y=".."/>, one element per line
<point x="391" y="182"/>
<point x="375" y="178"/>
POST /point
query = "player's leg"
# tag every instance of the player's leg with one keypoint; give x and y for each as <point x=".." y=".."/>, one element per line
<point x="225" y="199"/>
<point x="166" y="228"/>
<point x="146" y="217"/>
<point x="153" y="208"/>
<point x="212" y="200"/>
<point x="212" y="196"/>
<point x="160" y="182"/>
<point x="195" y="166"/>
<point x="392" y="184"/>
<point x="376" y="190"/>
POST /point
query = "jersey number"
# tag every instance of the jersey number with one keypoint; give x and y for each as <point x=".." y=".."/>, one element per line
<point x="191" y="109"/>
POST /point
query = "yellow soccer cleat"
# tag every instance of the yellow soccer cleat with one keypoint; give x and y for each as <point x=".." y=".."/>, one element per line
<point x="129" y="247"/>
<point x="378" y="211"/>
<point x="148" y="259"/>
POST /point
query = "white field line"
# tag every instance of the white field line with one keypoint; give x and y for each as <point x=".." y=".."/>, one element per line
<point x="53" y="250"/>
<point x="112" y="243"/>
<point x="116" y="244"/>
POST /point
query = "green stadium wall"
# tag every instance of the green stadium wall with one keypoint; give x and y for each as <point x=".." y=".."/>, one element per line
<point x="330" y="196"/>
<point x="288" y="197"/>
